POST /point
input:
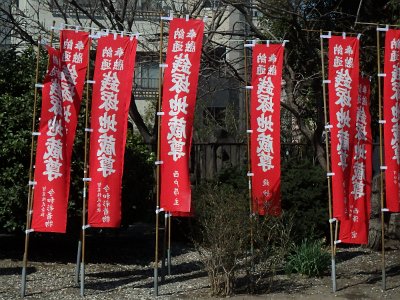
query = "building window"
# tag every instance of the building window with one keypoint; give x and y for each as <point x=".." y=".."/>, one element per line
<point x="146" y="75"/>
<point x="211" y="4"/>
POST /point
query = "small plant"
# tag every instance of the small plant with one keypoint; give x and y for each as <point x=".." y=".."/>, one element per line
<point x="310" y="258"/>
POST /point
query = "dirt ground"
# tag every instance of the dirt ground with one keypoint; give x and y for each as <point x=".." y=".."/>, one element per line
<point x="119" y="266"/>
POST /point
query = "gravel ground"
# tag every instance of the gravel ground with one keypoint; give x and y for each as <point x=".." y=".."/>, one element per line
<point x="120" y="267"/>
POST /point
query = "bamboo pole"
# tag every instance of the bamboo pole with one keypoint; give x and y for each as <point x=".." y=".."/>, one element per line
<point x="31" y="183"/>
<point x="333" y="32"/>
<point x="82" y="243"/>
<point x="381" y="162"/>
<point x="246" y="104"/>
<point x="377" y="24"/>
<point x="30" y="186"/>
<point x="328" y="170"/>
<point x="158" y="158"/>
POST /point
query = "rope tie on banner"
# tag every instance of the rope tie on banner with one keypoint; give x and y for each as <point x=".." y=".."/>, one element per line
<point x="382" y="121"/>
<point x="330" y="174"/>
<point x="88" y="130"/>
<point x="84" y="227"/>
<point x="248" y="87"/>
<point x="90" y="81"/>
<point x="381" y="74"/>
<point x="383" y="167"/>
<point x="39" y="85"/>
<point x="86" y="179"/>
<point x="31" y="211"/>
<point x="158" y="162"/>
<point x="158" y="210"/>
<point x="333" y="220"/>
<point x="35" y="133"/>
<point x="249" y="174"/>
<point x="28" y="231"/>
<point x="135" y="35"/>
<point x="326" y="81"/>
<point x="160" y="113"/>
<point x="163" y="65"/>
<point x="249" y="131"/>
<point x="385" y="209"/>
<point x="328" y="126"/>
<point x="337" y="242"/>
<point x="32" y="182"/>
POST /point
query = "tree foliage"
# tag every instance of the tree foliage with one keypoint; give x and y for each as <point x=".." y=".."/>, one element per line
<point x="17" y="78"/>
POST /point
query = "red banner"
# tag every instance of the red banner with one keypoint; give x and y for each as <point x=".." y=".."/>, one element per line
<point x="50" y="195"/>
<point x="391" y="113"/>
<point x="355" y="229"/>
<point x="343" y="92"/>
<point x="265" y="145"/>
<point x="74" y="47"/>
<point x="115" y="60"/>
<point x="179" y="99"/>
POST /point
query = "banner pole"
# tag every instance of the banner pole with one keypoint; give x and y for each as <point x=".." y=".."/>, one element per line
<point x="30" y="187"/>
<point x="158" y="158"/>
<point x="78" y="260"/>
<point x="333" y="249"/>
<point x="381" y="162"/>
<point x="169" y="243"/>
<point x="246" y="104"/>
<point x="82" y="243"/>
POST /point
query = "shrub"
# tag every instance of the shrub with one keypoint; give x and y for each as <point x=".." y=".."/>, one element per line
<point x="222" y="239"/>
<point x="310" y="258"/>
<point x="224" y="235"/>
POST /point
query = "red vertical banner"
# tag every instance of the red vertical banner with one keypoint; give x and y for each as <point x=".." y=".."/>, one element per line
<point x="343" y="75"/>
<point x="391" y="113"/>
<point x="265" y="145"/>
<point x="113" y="77"/>
<point x="50" y="195"/>
<point x="178" y="104"/>
<point x="354" y="230"/>
<point x="74" y="47"/>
